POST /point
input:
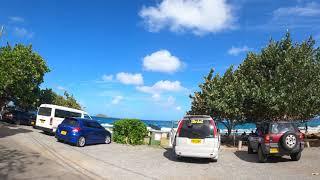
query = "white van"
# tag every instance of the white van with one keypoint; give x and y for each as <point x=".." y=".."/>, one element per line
<point x="197" y="136"/>
<point x="50" y="116"/>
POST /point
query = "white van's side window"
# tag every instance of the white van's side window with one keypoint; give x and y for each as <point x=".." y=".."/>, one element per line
<point x="64" y="114"/>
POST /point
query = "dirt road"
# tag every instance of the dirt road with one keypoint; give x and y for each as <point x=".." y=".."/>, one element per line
<point x="26" y="153"/>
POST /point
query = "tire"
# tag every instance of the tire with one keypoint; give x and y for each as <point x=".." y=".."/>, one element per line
<point x="81" y="141"/>
<point x="289" y="141"/>
<point x="250" y="150"/>
<point x="261" y="156"/>
<point x="108" y="139"/>
<point x="295" y="156"/>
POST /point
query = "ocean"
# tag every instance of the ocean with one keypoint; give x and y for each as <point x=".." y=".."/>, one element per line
<point x="248" y="127"/>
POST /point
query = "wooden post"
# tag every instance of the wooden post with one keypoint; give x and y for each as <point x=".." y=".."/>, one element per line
<point x="239" y="145"/>
<point x="308" y="144"/>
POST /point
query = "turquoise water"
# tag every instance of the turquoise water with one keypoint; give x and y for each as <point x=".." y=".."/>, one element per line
<point x="168" y="124"/>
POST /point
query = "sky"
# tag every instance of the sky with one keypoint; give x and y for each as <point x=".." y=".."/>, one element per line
<point x="143" y="58"/>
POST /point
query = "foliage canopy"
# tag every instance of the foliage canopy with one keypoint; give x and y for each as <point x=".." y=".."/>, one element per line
<point x="282" y="82"/>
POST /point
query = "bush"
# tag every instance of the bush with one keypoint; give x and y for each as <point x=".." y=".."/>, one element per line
<point x="129" y="131"/>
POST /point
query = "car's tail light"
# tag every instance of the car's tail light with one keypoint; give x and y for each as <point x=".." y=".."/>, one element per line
<point x="267" y="138"/>
<point x="51" y="120"/>
<point x="301" y="136"/>
<point x="179" y="128"/>
<point x="213" y="128"/>
<point x="77" y="129"/>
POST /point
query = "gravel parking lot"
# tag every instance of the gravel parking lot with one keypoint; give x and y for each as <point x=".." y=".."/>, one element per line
<point x="28" y="153"/>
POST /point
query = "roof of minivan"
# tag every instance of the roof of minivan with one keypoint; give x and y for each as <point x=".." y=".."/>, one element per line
<point x="197" y="116"/>
<point x="62" y="108"/>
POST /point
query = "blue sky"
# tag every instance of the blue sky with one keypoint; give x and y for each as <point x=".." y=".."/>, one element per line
<point x="142" y="58"/>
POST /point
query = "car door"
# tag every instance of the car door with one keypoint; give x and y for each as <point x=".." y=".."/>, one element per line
<point x="89" y="132"/>
<point x="100" y="132"/>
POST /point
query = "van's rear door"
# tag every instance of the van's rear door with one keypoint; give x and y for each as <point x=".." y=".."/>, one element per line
<point x="197" y="132"/>
<point x="44" y="117"/>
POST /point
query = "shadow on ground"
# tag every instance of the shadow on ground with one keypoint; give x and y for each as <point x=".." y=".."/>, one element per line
<point x="10" y="130"/>
<point x="14" y="161"/>
<point x="253" y="158"/>
<point x="170" y="156"/>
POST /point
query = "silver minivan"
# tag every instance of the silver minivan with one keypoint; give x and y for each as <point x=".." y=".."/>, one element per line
<point x="197" y="136"/>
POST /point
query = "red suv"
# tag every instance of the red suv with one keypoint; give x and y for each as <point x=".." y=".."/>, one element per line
<point x="276" y="139"/>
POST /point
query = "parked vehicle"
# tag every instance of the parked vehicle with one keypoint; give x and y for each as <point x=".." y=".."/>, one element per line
<point x="276" y="139"/>
<point x="18" y="117"/>
<point x="197" y="136"/>
<point x="81" y="132"/>
<point x="50" y="116"/>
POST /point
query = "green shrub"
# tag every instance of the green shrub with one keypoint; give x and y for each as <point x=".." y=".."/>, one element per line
<point x="129" y="131"/>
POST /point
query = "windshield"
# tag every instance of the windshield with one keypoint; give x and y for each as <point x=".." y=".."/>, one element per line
<point x="282" y="127"/>
<point x="196" y="128"/>
<point x="44" y="111"/>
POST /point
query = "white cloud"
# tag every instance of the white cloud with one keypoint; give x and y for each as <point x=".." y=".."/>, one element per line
<point x="127" y="78"/>
<point x="61" y="88"/>
<point x="237" y="50"/>
<point x="178" y="108"/>
<point x="156" y="97"/>
<point x="162" y="61"/>
<point x="16" y="19"/>
<point x="107" y="78"/>
<point x="310" y="9"/>
<point x="162" y="86"/>
<point x="22" y="32"/>
<point x="116" y="99"/>
<point x="197" y="16"/>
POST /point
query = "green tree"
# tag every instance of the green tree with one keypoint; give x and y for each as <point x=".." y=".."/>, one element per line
<point x="21" y="73"/>
<point x="282" y="82"/>
<point x="48" y="96"/>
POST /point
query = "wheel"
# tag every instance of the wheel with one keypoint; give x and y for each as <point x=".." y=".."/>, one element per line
<point x="108" y="139"/>
<point x="289" y="141"/>
<point x="59" y="140"/>
<point x="261" y="156"/>
<point x="81" y="142"/>
<point x="250" y="150"/>
<point x="295" y="156"/>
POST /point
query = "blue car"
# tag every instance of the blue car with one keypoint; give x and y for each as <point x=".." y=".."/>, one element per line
<point x="81" y="132"/>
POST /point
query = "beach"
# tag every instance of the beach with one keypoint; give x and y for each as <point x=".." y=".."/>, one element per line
<point x="39" y="156"/>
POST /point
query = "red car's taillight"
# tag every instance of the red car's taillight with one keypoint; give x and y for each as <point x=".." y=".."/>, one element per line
<point x="267" y="138"/>
<point x="213" y="128"/>
<point x="301" y="136"/>
<point x="179" y="128"/>
<point x="77" y="129"/>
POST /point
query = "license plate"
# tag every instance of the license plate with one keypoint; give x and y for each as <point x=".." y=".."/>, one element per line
<point x="274" y="150"/>
<point x="63" y="132"/>
<point x="42" y="120"/>
<point x="195" y="141"/>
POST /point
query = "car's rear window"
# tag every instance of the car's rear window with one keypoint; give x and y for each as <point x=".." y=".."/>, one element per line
<point x="71" y="122"/>
<point x="196" y="128"/>
<point x="44" y="111"/>
<point x="282" y="127"/>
